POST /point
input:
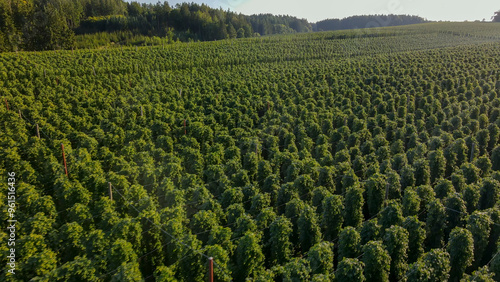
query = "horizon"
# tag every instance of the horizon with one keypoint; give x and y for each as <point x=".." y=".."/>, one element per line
<point x="446" y="10"/>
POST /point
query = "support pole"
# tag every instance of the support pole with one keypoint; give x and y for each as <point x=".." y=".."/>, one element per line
<point x="20" y="115"/>
<point x="37" y="131"/>
<point x="185" y="131"/>
<point x="110" y="191"/>
<point x="6" y="103"/>
<point x="64" y="160"/>
<point x="142" y="114"/>
<point x="211" y="269"/>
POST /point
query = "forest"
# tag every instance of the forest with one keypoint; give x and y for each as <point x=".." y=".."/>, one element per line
<point x="68" y="24"/>
<point x="367" y="21"/>
<point x="36" y="25"/>
<point x="359" y="155"/>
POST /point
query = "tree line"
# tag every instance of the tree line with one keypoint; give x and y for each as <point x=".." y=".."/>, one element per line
<point x="53" y="24"/>
<point x="367" y="21"/>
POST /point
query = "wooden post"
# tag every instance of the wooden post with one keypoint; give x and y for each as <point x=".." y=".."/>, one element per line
<point x="20" y="115"/>
<point x="185" y="131"/>
<point x="6" y="103"/>
<point x="37" y="131"/>
<point x="180" y="92"/>
<point x="64" y="159"/>
<point x="268" y="106"/>
<point x="211" y="269"/>
<point x="110" y="191"/>
<point x="142" y="114"/>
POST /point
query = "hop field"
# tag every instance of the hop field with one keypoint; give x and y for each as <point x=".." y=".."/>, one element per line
<point x="360" y="155"/>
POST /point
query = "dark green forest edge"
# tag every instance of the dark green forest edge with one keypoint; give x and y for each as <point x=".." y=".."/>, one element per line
<point x="363" y="155"/>
<point x="69" y="24"/>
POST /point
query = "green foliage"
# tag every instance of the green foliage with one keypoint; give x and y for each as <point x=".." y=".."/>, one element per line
<point x="375" y="190"/>
<point x="281" y="247"/>
<point x="396" y="240"/>
<point x="332" y="219"/>
<point x="456" y="212"/>
<point x="391" y="215"/>
<point x="297" y="270"/>
<point x="435" y="225"/>
<point x="433" y="266"/>
<point x="249" y="257"/>
<point x="349" y="243"/>
<point x="288" y="140"/>
<point x="478" y="224"/>
<point x="320" y="258"/>
<point x="411" y="202"/>
<point x="416" y="237"/>
<point x="377" y="261"/>
<point x="461" y="250"/>
<point x="350" y="269"/>
<point x="437" y="165"/>
<point x="482" y="274"/>
<point x="308" y="228"/>
<point x="353" y="213"/>
<point x="489" y="193"/>
<point x="370" y="231"/>
<point x="367" y="21"/>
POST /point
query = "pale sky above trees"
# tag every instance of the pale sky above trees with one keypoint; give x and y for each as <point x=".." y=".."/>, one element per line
<point x="316" y="10"/>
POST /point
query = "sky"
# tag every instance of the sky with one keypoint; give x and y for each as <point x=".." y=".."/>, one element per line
<point x="316" y="10"/>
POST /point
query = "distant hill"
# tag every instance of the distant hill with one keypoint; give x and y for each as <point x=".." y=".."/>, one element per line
<point x="367" y="21"/>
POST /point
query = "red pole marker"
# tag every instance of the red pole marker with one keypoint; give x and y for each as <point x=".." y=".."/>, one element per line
<point x="211" y="269"/>
<point x="64" y="160"/>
